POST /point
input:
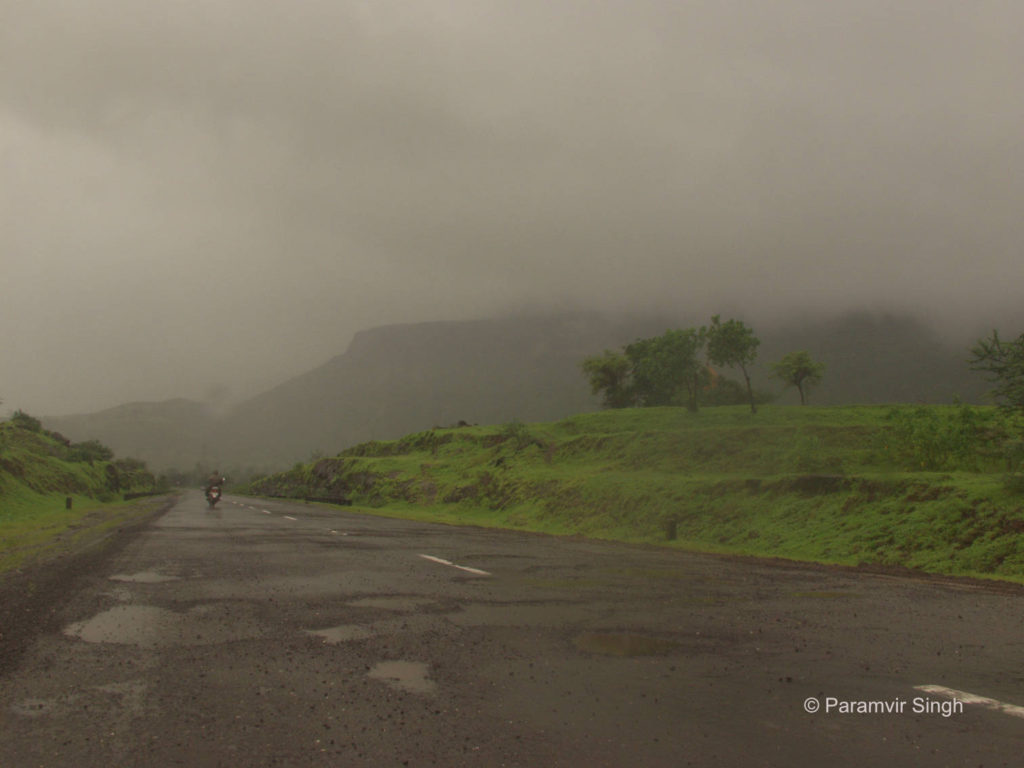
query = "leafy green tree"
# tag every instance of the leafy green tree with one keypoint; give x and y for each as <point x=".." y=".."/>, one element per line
<point x="664" y="367"/>
<point x="1003" y="361"/>
<point x="610" y="373"/>
<point x="733" y="344"/>
<point x="797" y="369"/>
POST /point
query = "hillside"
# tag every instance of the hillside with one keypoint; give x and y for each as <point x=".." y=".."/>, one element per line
<point x="896" y="487"/>
<point x="173" y="433"/>
<point x="405" y="378"/>
<point x="39" y="471"/>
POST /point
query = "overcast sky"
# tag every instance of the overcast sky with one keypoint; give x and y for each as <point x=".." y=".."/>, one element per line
<point x="264" y="179"/>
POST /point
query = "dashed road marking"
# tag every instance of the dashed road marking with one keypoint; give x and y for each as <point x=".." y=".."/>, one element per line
<point x="266" y="511"/>
<point x="450" y="564"/>
<point x="289" y="517"/>
<point x="972" y="698"/>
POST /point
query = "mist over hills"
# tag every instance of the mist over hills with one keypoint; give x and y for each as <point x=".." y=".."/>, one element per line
<point x="397" y="379"/>
<point x="172" y="433"/>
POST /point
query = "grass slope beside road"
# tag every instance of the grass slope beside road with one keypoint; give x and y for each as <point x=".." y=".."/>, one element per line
<point x="923" y="487"/>
<point x="38" y="472"/>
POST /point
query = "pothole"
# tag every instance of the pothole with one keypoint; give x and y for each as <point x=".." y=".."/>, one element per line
<point x="142" y="625"/>
<point x="408" y="676"/>
<point x="345" y="632"/>
<point x="149" y="627"/>
<point x="625" y="644"/>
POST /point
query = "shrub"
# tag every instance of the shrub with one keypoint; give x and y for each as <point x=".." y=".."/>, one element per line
<point x="89" y="451"/>
<point x="23" y="420"/>
<point x="517" y="431"/>
<point x="922" y="439"/>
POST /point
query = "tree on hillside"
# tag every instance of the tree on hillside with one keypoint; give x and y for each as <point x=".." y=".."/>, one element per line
<point x="610" y="373"/>
<point x="733" y="344"/>
<point x="666" y="366"/>
<point x="797" y="369"/>
<point x="1003" y="361"/>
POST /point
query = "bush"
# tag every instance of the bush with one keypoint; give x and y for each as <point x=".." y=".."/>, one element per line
<point x="24" y="421"/>
<point x="89" y="451"/>
<point x="922" y="439"/>
<point x="724" y="391"/>
<point x="1013" y="451"/>
<point x="517" y="431"/>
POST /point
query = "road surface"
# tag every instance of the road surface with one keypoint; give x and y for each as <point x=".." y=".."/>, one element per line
<point x="269" y="633"/>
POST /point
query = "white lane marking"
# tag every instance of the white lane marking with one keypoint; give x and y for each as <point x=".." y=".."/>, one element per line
<point x="287" y="517"/>
<point x="972" y="698"/>
<point x="266" y="511"/>
<point x="450" y="564"/>
<point x="436" y="559"/>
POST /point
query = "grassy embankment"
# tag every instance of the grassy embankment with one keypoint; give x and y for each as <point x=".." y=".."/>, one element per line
<point x="37" y="474"/>
<point x="925" y="488"/>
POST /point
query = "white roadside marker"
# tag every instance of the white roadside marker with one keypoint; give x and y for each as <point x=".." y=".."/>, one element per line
<point x="971" y="698"/>
<point x="450" y="564"/>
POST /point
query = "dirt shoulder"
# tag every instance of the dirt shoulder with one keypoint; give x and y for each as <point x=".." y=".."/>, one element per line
<point x="30" y="594"/>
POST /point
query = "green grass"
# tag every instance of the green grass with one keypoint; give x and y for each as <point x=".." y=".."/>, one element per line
<point x="44" y="529"/>
<point x="915" y="487"/>
<point x="36" y="478"/>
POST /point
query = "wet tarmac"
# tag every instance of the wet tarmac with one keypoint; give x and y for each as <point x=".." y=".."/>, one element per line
<point x="265" y="639"/>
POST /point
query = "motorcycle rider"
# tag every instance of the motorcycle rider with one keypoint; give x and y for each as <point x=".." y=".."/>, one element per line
<point x="215" y="480"/>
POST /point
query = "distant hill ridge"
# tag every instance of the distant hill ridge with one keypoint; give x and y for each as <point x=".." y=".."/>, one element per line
<point x="393" y="380"/>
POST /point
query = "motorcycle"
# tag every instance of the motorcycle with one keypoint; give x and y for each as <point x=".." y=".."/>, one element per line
<point x="213" y="496"/>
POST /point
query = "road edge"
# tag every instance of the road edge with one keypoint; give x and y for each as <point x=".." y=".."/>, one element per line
<point x="30" y="596"/>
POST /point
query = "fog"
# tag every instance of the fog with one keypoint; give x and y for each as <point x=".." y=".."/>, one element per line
<point x="201" y="198"/>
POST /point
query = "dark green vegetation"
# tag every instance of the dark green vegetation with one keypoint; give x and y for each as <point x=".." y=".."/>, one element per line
<point x="675" y="368"/>
<point x="1003" y="361"/>
<point x="39" y="471"/>
<point x="919" y="487"/>
<point x="797" y="369"/>
<point x="405" y="378"/>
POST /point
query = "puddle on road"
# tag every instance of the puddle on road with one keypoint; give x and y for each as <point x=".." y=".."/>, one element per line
<point x="149" y="627"/>
<point x="144" y="577"/>
<point x="141" y="625"/>
<point x="408" y="676"/>
<point x="334" y="635"/>
<point x="625" y="644"/>
<point x="393" y="603"/>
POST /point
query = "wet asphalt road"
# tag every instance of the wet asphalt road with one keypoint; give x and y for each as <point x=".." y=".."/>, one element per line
<point x="286" y="634"/>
